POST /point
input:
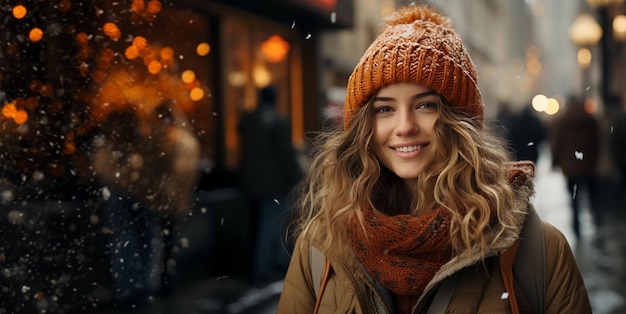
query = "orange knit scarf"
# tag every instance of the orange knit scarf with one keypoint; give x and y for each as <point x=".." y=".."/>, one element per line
<point x="403" y="252"/>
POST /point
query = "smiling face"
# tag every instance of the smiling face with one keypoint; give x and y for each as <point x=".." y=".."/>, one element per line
<point x="404" y="122"/>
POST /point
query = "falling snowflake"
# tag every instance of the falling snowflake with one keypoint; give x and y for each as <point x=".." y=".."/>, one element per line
<point x="578" y="155"/>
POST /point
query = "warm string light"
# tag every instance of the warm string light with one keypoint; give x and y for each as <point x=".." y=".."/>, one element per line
<point x="35" y="34"/>
<point x="112" y="31"/>
<point x="203" y="49"/>
<point x="275" y="48"/>
<point x="18" y="116"/>
<point x="19" y="11"/>
<point x="94" y="62"/>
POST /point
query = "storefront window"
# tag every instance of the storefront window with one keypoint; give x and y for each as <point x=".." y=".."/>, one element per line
<point x="248" y="67"/>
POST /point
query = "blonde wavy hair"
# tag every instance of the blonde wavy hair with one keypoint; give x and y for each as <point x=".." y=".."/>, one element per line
<point x="468" y="179"/>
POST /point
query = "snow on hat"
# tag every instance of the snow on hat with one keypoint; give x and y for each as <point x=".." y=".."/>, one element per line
<point x="416" y="45"/>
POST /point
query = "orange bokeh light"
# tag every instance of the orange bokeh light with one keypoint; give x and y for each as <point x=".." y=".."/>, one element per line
<point x="19" y="11"/>
<point x="35" y="34"/>
<point x="275" y="48"/>
<point x="167" y="53"/>
<point x="591" y="106"/>
<point x="203" y="49"/>
<point x="131" y="52"/>
<point x="196" y="94"/>
<point x="140" y="42"/>
<point x="154" y="7"/>
<point x="138" y="5"/>
<point x="82" y="38"/>
<point x="111" y="30"/>
<point x="20" y="117"/>
<point x="154" y="67"/>
<point x="9" y="110"/>
<point x="188" y="76"/>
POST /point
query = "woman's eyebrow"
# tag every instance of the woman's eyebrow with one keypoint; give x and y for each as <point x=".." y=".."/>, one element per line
<point x="417" y="96"/>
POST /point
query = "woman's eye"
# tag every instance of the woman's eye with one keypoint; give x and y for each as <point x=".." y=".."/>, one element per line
<point x="427" y="105"/>
<point x="382" y="109"/>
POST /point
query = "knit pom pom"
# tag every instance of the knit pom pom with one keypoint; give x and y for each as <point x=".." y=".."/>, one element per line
<point x="412" y="13"/>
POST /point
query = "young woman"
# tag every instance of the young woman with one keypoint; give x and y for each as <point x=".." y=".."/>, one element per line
<point x="414" y="191"/>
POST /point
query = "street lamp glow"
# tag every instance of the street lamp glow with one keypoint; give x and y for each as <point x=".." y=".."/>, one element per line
<point x="584" y="57"/>
<point x="603" y="3"/>
<point x="619" y="27"/>
<point x="553" y="106"/>
<point x="585" y="31"/>
<point x="540" y="102"/>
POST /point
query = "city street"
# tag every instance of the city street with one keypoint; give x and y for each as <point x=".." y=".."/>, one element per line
<point x="601" y="254"/>
<point x="601" y="259"/>
<point x="127" y="184"/>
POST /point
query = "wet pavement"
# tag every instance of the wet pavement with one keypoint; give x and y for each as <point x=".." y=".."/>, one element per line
<point x="601" y="255"/>
<point x="601" y="250"/>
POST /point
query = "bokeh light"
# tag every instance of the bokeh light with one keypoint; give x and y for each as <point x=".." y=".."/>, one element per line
<point x="137" y="6"/>
<point x="275" y="48"/>
<point x="196" y="94"/>
<point x="35" y="34"/>
<point x="154" y="67"/>
<point x="540" y="102"/>
<point x="154" y="7"/>
<point x="112" y="31"/>
<point x="140" y="42"/>
<point x="188" y="76"/>
<point x="9" y="110"/>
<point x="203" y="49"/>
<point x="167" y="53"/>
<point x="19" y="11"/>
<point x="20" y="117"/>
<point x="131" y="52"/>
<point x="552" y="107"/>
<point x="591" y="106"/>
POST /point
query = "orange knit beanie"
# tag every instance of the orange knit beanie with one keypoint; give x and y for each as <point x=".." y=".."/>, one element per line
<point x="416" y="45"/>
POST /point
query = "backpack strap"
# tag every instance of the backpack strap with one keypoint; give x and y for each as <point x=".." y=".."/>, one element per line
<point x="526" y="258"/>
<point x="530" y="263"/>
<point x="507" y="258"/>
<point x="444" y="295"/>
<point x="318" y="263"/>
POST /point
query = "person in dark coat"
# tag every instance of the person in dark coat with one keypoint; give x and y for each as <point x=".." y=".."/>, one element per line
<point x="525" y="132"/>
<point x="575" y="150"/>
<point x="147" y="164"/>
<point x="268" y="170"/>
<point x="617" y="141"/>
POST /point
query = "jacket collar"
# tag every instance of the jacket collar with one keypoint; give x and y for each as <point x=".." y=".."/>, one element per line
<point x="520" y="177"/>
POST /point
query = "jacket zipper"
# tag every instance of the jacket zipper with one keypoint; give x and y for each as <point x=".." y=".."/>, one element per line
<point x="373" y="300"/>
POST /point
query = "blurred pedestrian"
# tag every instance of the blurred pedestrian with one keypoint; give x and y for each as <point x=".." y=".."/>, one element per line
<point x="148" y="164"/>
<point x="607" y="174"/>
<point x="268" y="171"/>
<point x="414" y="204"/>
<point x="618" y="141"/>
<point x="575" y="150"/>
<point x="505" y="113"/>
<point x="617" y="149"/>
<point x="525" y="133"/>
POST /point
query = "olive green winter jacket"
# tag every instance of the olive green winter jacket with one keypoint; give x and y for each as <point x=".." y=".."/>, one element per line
<point x="479" y="287"/>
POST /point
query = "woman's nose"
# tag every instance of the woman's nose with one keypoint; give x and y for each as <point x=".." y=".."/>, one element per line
<point x="407" y="124"/>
